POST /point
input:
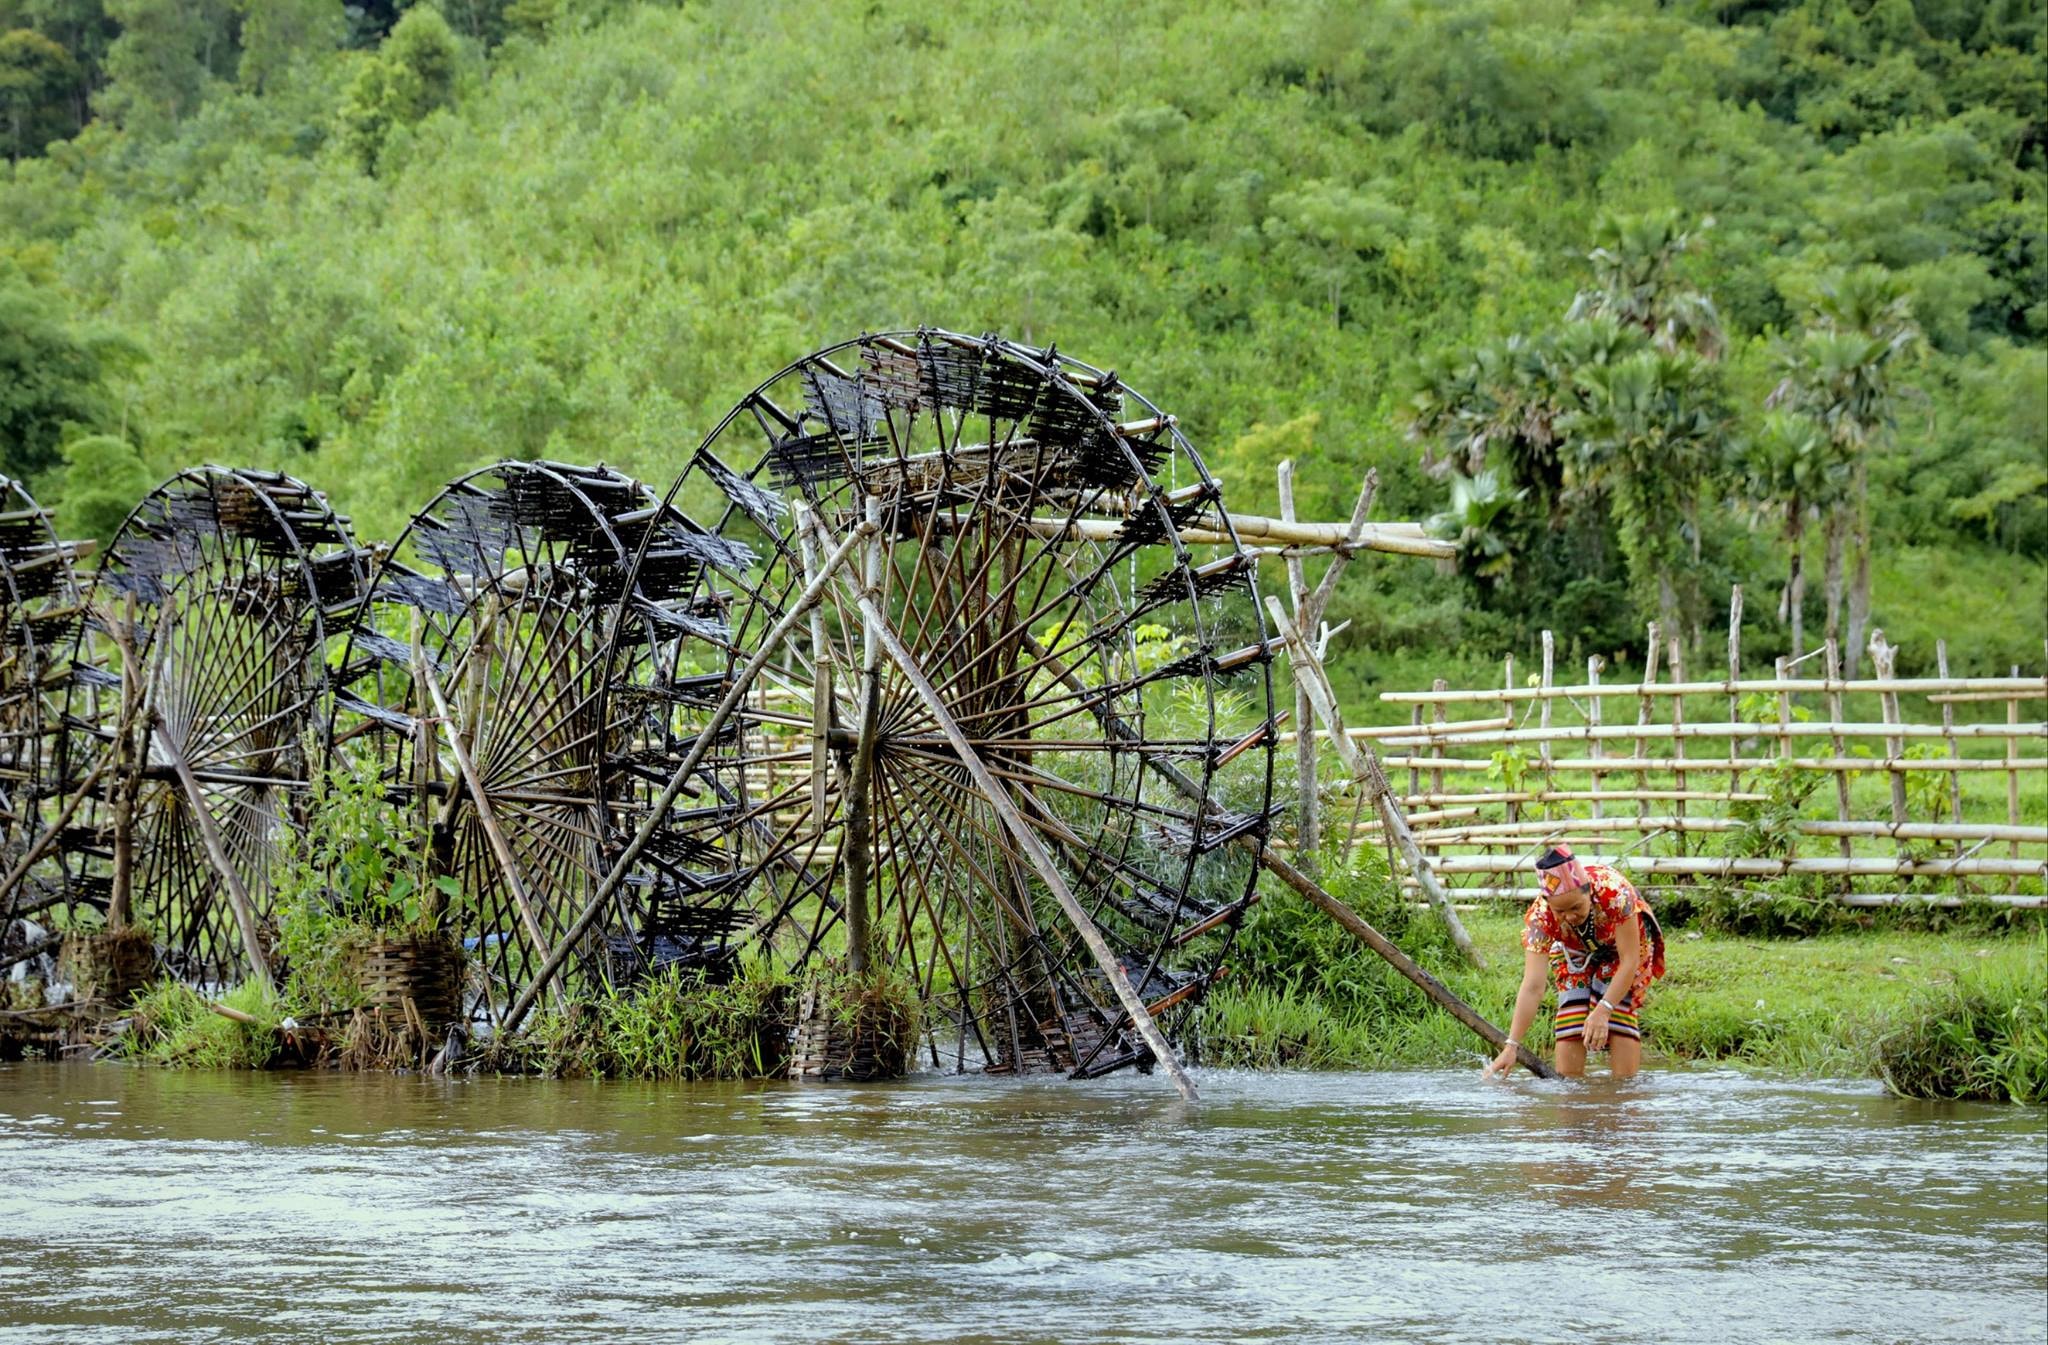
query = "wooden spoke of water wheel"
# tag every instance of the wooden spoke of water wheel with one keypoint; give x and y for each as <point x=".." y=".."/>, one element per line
<point x="469" y="686"/>
<point x="231" y="578"/>
<point x="837" y="800"/>
<point x="41" y="606"/>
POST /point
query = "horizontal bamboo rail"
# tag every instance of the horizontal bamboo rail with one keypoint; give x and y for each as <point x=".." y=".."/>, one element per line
<point x="2029" y="688"/>
<point x="2016" y="900"/>
<point x="1666" y="732"/>
<point x="1759" y="867"/>
<point x="1905" y="831"/>
<point x="1737" y="766"/>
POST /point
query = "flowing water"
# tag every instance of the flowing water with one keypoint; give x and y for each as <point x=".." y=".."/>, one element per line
<point x="141" y="1205"/>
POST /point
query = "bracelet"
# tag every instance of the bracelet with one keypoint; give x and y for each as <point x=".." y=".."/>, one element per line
<point x="1514" y="1045"/>
<point x="1608" y="1005"/>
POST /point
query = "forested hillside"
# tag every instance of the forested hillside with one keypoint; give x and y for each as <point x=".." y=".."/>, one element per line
<point x="1637" y="300"/>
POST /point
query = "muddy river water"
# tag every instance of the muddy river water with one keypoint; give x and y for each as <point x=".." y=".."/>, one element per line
<point x="143" y="1205"/>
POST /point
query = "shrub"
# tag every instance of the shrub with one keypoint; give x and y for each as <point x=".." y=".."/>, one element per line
<point x="1982" y="1039"/>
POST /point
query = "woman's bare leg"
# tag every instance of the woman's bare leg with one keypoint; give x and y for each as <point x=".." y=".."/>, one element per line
<point x="1571" y="1057"/>
<point x="1624" y="1056"/>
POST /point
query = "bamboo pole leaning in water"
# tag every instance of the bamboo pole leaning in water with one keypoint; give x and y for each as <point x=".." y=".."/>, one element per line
<point x="1313" y="891"/>
<point x="1308" y="670"/>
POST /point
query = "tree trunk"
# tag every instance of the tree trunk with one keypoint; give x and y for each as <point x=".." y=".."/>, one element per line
<point x="1832" y="576"/>
<point x="1795" y="579"/>
<point x="1859" y="593"/>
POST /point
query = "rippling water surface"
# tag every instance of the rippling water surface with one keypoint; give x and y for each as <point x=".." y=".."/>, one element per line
<point x="140" y="1205"/>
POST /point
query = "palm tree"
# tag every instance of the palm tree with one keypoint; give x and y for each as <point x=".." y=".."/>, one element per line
<point x="1653" y="435"/>
<point x="1791" y="471"/>
<point x="1839" y="374"/>
<point x="1477" y="521"/>
<point x="1635" y="282"/>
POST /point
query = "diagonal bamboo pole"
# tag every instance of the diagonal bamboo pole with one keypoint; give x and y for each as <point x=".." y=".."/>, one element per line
<point x="1316" y="894"/>
<point x="216" y="850"/>
<point x="508" y="864"/>
<point x="1365" y="768"/>
<point x="657" y="816"/>
<point x="1035" y="853"/>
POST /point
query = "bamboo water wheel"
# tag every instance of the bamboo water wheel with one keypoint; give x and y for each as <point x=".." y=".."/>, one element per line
<point x="41" y="606"/>
<point x="1024" y="682"/>
<point x="471" y="682"/>
<point x="216" y="596"/>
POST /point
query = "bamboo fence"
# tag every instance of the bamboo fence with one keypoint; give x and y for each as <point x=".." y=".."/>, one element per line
<point x="1876" y="788"/>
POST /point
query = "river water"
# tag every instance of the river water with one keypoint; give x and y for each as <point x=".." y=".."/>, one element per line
<point x="144" y="1205"/>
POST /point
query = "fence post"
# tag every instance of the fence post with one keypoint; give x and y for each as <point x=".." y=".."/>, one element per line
<point x="1677" y="652"/>
<point x="1543" y="720"/>
<point x="1593" y="666"/>
<point x="1643" y="716"/>
<point x="1734" y="676"/>
<point x="2012" y="757"/>
<point x="1780" y="670"/>
<point x="1883" y="658"/>
<point x="1836" y="745"/>
<point x="1507" y="710"/>
<point x="1436" y="776"/>
<point x="1948" y="724"/>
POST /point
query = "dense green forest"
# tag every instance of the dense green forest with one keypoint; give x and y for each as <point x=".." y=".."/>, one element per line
<point x="1635" y="300"/>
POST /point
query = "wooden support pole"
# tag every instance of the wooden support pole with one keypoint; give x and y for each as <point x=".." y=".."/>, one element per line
<point x="1308" y="817"/>
<point x="1543" y="715"/>
<point x="486" y="814"/>
<point x="1784" y="711"/>
<point x="1948" y="723"/>
<point x="217" y="851"/>
<point x="860" y="830"/>
<point x="998" y="798"/>
<point x="1364" y="767"/>
<point x="1436" y="778"/>
<point x="657" y="815"/>
<point x="1507" y="710"/>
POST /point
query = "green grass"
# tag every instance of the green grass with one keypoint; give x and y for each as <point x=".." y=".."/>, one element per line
<point x="1928" y="1003"/>
<point x="171" y="1024"/>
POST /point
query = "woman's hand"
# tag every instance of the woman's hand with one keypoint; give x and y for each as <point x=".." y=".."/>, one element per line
<point x="1503" y="1064"/>
<point x="1596" y="1026"/>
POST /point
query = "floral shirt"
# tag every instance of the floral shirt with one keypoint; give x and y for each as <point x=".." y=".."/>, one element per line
<point x="1572" y="964"/>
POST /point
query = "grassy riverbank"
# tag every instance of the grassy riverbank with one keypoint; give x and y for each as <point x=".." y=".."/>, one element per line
<point x="1938" y="1005"/>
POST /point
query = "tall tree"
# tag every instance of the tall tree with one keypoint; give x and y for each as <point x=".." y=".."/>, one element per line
<point x="1789" y="472"/>
<point x="1841" y="373"/>
<point x="36" y="77"/>
<point x="1637" y="284"/>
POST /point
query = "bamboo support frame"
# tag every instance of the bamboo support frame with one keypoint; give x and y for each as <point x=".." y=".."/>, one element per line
<point x="1308" y="671"/>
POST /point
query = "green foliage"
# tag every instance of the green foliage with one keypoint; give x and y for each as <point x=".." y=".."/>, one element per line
<point x="104" y="479"/>
<point x="592" y="225"/>
<point x="413" y="74"/>
<point x="1983" y="1038"/>
<point x="1770" y="828"/>
<point x="51" y="378"/>
<point x="356" y="865"/>
<point x="673" y="1025"/>
<point x="36" y="77"/>
<point x="171" y="1024"/>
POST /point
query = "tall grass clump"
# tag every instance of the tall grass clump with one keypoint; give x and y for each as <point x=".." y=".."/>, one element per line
<point x="675" y="1024"/>
<point x="1982" y="1038"/>
<point x="172" y="1024"/>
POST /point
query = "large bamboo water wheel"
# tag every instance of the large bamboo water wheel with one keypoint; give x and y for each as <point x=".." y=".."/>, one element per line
<point x="215" y="600"/>
<point x="41" y="606"/>
<point x="1016" y="739"/>
<point x="470" y="686"/>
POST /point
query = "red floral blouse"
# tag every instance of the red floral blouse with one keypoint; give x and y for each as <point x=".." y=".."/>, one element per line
<point x="1614" y="900"/>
